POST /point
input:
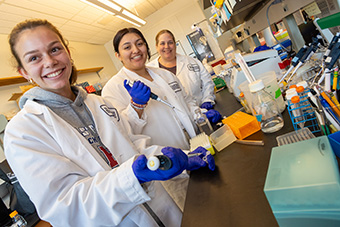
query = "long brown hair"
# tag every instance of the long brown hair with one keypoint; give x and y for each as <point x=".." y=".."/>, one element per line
<point x="31" y="24"/>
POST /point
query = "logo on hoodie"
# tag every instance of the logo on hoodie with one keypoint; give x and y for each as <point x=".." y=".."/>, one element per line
<point x="110" y="111"/>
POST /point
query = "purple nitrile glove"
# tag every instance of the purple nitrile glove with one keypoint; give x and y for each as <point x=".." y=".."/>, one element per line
<point x="179" y="163"/>
<point x="213" y="115"/>
<point x="202" y="160"/>
<point x="139" y="92"/>
<point x="207" y="105"/>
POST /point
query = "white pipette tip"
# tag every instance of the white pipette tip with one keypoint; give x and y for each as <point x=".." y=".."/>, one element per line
<point x="166" y="103"/>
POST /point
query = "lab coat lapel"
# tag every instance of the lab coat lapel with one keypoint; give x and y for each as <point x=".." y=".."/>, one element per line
<point x="180" y="64"/>
<point x="180" y="110"/>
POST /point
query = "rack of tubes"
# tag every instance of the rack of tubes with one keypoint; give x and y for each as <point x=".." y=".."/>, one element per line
<point x="302" y="114"/>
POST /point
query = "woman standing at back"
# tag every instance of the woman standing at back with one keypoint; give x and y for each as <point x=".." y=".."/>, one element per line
<point x="195" y="79"/>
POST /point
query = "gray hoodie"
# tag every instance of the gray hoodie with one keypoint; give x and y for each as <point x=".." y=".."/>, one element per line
<point x="74" y="112"/>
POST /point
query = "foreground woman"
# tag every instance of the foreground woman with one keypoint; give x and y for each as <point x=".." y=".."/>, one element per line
<point x="73" y="153"/>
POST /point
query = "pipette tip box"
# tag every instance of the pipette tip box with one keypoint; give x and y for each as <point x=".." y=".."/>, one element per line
<point x="242" y="124"/>
<point x="303" y="181"/>
<point x="202" y="140"/>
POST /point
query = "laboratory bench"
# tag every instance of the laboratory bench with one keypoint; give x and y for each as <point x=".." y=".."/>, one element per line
<point x="233" y="195"/>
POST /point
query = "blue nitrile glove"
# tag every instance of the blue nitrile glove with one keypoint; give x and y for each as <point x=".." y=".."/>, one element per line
<point x="139" y="92"/>
<point x="213" y="115"/>
<point x="207" y="105"/>
<point x="198" y="162"/>
<point x="179" y="164"/>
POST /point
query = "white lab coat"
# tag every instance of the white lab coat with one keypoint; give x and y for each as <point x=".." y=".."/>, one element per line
<point x="162" y="123"/>
<point x="195" y="79"/>
<point x="70" y="183"/>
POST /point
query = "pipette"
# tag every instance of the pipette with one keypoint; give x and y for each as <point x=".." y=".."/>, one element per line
<point x="331" y="44"/>
<point x="295" y="61"/>
<point x="155" y="97"/>
<point x="163" y="162"/>
<point x="308" y="54"/>
<point x="330" y="61"/>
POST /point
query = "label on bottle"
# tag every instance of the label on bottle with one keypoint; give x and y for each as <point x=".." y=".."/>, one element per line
<point x="259" y="117"/>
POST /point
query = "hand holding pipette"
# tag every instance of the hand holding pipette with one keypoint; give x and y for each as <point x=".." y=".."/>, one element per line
<point x="198" y="158"/>
<point x="179" y="162"/>
<point x="139" y="92"/>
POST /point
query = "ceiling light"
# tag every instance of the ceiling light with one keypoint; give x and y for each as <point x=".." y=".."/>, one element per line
<point x="117" y="10"/>
<point x="132" y="16"/>
<point x="111" y="5"/>
<point x="138" y="25"/>
<point x="98" y="7"/>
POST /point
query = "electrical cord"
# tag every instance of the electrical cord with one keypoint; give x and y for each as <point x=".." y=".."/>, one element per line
<point x="271" y="31"/>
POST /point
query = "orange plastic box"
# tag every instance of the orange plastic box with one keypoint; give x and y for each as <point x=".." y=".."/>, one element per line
<point x="242" y="124"/>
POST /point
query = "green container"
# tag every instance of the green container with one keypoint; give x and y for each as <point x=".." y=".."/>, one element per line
<point x="219" y="82"/>
<point x="330" y="21"/>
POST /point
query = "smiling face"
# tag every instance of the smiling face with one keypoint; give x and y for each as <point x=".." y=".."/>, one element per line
<point x="44" y="59"/>
<point x="166" y="47"/>
<point x="132" y="52"/>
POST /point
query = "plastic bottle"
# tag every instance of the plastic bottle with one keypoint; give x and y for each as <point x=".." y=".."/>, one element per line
<point x="17" y="219"/>
<point x="244" y="103"/>
<point x="294" y="106"/>
<point x="265" y="108"/>
<point x="202" y="122"/>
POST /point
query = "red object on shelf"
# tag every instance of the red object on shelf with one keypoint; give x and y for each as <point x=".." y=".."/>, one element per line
<point x="222" y="62"/>
<point x="90" y="89"/>
<point x="285" y="63"/>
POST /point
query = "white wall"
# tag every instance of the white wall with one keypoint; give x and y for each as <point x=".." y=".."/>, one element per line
<point x="84" y="55"/>
<point x="177" y="16"/>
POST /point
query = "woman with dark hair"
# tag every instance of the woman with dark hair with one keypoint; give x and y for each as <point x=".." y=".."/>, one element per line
<point x="129" y="90"/>
<point x="195" y="79"/>
<point x="72" y="152"/>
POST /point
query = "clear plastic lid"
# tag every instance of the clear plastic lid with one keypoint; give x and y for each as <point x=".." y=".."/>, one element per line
<point x="291" y="94"/>
<point x="304" y="84"/>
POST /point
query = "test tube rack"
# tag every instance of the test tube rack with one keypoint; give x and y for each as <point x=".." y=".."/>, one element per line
<point x="307" y="118"/>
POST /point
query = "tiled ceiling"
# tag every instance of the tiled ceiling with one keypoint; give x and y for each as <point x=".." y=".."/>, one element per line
<point x="76" y="20"/>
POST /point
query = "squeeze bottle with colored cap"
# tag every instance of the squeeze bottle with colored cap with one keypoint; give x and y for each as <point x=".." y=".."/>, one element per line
<point x="265" y="108"/>
<point x="244" y="102"/>
<point x="17" y="219"/>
